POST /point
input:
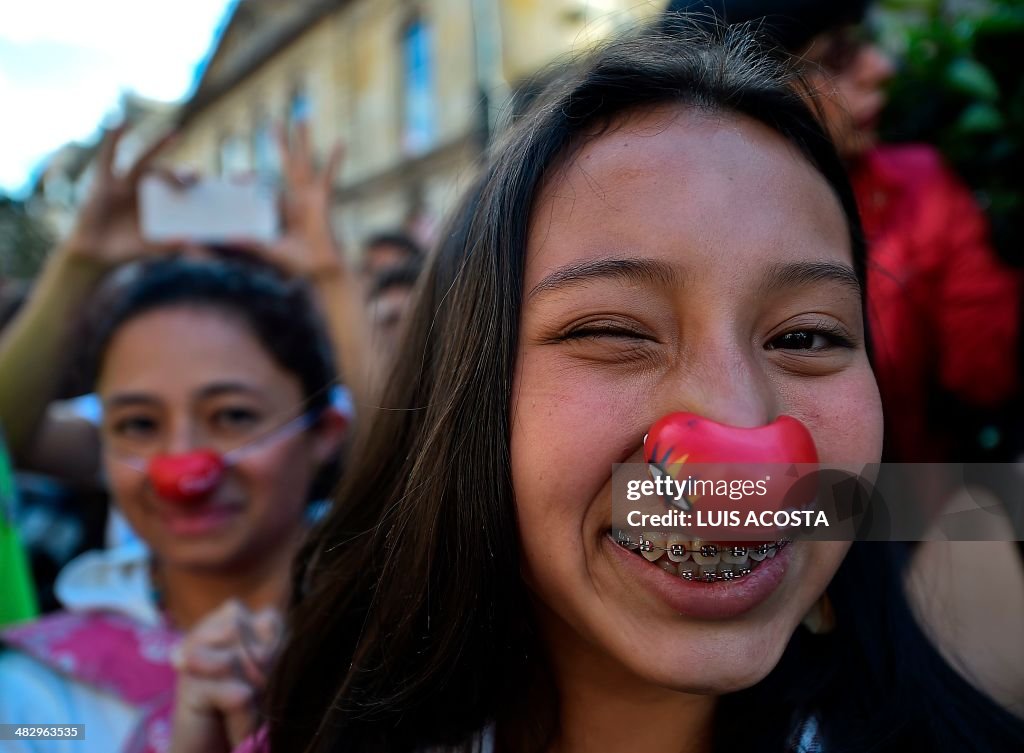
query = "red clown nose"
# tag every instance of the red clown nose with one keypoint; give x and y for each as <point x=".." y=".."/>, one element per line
<point x="688" y="438"/>
<point x="187" y="477"/>
<point x="732" y="471"/>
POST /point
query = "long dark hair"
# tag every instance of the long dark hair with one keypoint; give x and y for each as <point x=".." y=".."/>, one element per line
<point x="277" y="310"/>
<point x="412" y="627"/>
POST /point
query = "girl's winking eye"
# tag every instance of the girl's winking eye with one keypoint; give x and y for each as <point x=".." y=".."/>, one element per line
<point x="603" y="328"/>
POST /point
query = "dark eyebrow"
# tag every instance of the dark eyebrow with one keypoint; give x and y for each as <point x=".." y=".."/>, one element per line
<point x="797" y="274"/>
<point x="633" y="269"/>
<point x="211" y="390"/>
<point x="129" y="398"/>
<point x="221" y="388"/>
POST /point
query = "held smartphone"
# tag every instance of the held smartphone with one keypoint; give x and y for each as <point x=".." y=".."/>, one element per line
<point x="208" y="211"/>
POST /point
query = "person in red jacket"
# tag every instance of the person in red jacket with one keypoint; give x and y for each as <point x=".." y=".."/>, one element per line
<point x="944" y="313"/>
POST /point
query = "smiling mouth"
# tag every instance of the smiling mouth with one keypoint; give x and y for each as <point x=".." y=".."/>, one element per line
<point x="697" y="560"/>
<point x="199" y="519"/>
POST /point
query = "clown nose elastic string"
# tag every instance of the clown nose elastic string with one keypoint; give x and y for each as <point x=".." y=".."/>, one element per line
<point x="192" y="476"/>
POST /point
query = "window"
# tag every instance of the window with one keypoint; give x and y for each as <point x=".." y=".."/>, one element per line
<point x="418" y="97"/>
<point x="264" y="146"/>
<point x="233" y="156"/>
<point x="300" y="106"/>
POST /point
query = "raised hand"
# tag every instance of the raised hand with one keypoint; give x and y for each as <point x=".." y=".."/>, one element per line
<point x="307" y="247"/>
<point x="106" y="230"/>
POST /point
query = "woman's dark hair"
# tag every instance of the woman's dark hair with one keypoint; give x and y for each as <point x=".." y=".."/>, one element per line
<point x="403" y="276"/>
<point x="396" y="239"/>
<point x="277" y="310"/>
<point x="412" y="626"/>
<point x="791" y="23"/>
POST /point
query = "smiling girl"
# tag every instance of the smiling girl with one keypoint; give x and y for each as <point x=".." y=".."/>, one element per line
<point x="668" y="230"/>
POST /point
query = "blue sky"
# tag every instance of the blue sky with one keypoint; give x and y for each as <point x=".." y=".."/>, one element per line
<point x="64" y="64"/>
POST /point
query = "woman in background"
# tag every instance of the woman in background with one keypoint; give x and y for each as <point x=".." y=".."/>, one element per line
<point x="215" y="379"/>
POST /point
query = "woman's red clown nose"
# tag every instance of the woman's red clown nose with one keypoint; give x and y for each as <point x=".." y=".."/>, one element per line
<point x="689" y="438"/>
<point x="186" y="477"/>
<point x="756" y="469"/>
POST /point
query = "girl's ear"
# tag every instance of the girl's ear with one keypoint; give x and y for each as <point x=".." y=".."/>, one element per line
<point x="329" y="432"/>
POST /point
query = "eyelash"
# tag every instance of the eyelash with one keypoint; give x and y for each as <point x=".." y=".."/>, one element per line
<point x="586" y="331"/>
<point x="133" y="423"/>
<point x="836" y="335"/>
<point x="235" y="418"/>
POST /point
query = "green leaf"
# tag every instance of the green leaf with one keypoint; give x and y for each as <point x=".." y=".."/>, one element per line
<point x="980" y="117"/>
<point x="972" y="78"/>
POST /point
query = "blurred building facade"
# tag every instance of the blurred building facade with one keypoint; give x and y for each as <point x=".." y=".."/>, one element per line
<point x="65" y="179"/>
<point x="411" y="87"/>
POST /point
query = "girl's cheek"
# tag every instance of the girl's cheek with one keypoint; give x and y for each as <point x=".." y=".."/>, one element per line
<point x="564" y="435"/>
<point x="852" y="425"/>
<point x="274" y="481"/>
<point x="127" y="488"/>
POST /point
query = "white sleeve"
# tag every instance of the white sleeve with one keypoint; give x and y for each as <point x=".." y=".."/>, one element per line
<point x="32" y="693"/>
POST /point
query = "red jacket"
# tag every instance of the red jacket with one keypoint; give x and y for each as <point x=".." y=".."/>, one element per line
<point x="943" y="312"/>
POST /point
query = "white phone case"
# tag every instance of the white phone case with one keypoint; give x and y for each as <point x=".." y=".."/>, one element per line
<point x="209" y="211"/>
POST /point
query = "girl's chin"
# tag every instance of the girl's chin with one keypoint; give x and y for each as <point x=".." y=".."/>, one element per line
<point x="704" y="664"/>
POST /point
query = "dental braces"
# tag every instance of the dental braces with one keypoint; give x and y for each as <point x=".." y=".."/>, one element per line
<point x="713" y="577"/>
<point x="706" y="550"/>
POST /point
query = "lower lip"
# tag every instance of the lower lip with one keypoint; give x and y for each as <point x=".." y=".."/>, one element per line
<point x="200" y="522"/>
<point x="720" y="600"/>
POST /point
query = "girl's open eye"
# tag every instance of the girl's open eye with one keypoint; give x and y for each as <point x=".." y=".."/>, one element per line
<point x="134" y="427"/>
<point x="236" y="418"/>
<point x="812" y="339"/>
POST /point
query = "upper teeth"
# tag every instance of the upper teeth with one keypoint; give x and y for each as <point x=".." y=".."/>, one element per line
<point x="695" y="559"/>
<point x="651" y="542"/>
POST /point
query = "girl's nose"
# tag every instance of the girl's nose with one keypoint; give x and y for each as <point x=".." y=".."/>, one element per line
<point x="183" y="438"/>
<point x="728" y="388"/>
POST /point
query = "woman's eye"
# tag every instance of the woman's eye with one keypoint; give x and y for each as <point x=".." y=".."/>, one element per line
<point x="585" y="332"/>
<point x="811" y="340"/>
<point x="138" y="427"/>
<point x="236" y="418"/>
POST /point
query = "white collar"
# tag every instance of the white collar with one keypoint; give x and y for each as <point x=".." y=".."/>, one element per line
<point x="114" y="580"/>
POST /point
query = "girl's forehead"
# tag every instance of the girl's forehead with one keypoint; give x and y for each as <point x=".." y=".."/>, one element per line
<point x="694" y="188"/>
<point x="185" y="351"/>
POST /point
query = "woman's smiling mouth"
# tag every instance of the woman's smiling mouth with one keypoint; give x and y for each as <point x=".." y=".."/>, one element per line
<point x="701" y="579"/>
<point x="197" y="520"/>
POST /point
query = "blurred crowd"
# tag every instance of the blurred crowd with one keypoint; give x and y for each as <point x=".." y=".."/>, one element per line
<point x="156" y="390"/>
